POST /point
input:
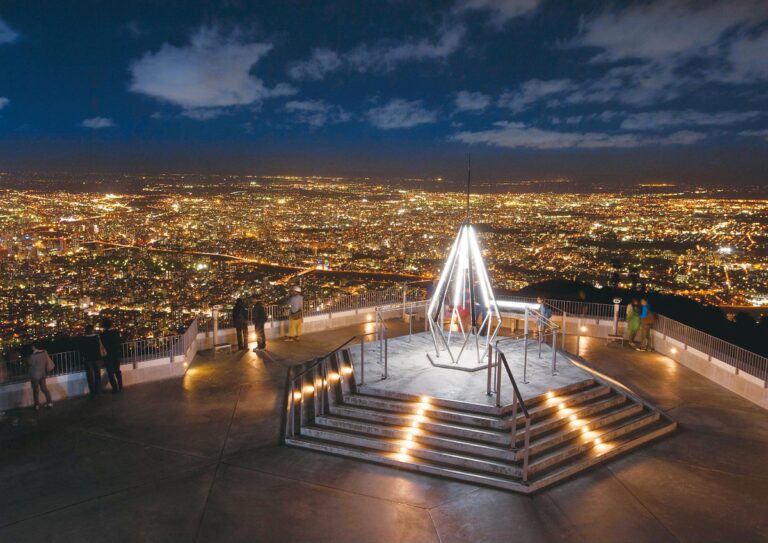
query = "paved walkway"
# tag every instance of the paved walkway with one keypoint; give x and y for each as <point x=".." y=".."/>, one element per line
<point x="198" y="460"/>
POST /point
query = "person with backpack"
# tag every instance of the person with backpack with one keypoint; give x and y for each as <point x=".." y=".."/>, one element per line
<point x="113" y="346"/>
<point x="91" y="353"/>
<point x="40" y="365"/>
<point x="647" y="320"/>
<point x="240" y="320"/>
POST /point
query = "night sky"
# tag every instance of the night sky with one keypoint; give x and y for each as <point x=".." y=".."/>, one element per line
<point x="608" y="92"/>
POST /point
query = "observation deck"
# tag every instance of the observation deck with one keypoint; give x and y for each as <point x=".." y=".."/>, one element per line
<point x="199" y="458"/>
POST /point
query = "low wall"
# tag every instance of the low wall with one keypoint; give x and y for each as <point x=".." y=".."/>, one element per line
<point x="312" y="323"/>
<point x="745" y="385"/>
<point x="19" y="394"/>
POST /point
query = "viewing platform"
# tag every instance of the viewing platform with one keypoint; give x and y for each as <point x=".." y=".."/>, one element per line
<point x="199" y="458"/>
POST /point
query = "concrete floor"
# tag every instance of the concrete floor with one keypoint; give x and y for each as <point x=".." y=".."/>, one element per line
<point x="198" y="460"/>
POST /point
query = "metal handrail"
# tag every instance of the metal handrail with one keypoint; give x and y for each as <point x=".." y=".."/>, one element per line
<point x="517" y="400"/>
<point x="545" y="320"/>
<point x="321" y="362"/>
<point x="514" y="384"/>
<point x="319" y="359"/>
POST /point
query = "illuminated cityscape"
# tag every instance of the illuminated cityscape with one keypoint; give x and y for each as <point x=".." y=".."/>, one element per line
<point x="456" y="271"/>
<point x="163" y="250"/>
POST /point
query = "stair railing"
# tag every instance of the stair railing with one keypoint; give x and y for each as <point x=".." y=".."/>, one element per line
<point x="320" y="370"/>
<point x="517" y="403"/>
<point x="546" y="327"/>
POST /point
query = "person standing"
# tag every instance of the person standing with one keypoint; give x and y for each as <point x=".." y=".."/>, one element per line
<point x="647" y="318"/>
<point x="113" y="345"/>
<point x="40" y="365"/>
<point x="90" y="348"/>
<point x="259" y="321"/>
<point x="633" y="322"/>
<point x="295" y="314"/>
<point x="240" y="320"/>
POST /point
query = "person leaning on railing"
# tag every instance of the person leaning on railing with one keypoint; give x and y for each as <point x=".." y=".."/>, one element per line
<point x="40" y="365"/>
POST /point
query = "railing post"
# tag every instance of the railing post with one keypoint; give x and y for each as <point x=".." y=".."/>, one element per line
<point x="514" y="421"/>
<point x="526" y="448"/>
<point x="525" y="348"/>
<point x="554" y="352"/>
<point x="405" y="297"/>
<point x="386" y="351"/>
<point x="490" y="366"/>
<point x="362" y="361"/>
<point x="215" y="316"/>
<point x="498" y="377"/>
<point x="525" y="359"/>
<point x="410" y="323"/>
<point x="565" y="322"/>
<point x="578" y="336"/>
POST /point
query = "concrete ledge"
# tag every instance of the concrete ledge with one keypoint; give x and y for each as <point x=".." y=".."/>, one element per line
<point x="312" y="323"/>
<point x="745" y="385"/>
<point x="19" y="394"/>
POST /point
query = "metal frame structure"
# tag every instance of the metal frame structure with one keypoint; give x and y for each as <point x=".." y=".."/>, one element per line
<point x="463" y="275"/>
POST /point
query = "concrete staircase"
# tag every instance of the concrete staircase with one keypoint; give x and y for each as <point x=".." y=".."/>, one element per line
<point x="571" y="429"/>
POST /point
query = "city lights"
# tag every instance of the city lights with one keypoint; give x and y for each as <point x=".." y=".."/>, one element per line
<point x="153" y="259"/>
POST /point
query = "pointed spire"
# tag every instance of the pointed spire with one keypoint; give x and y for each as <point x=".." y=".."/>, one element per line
<point x="464" y="301"/>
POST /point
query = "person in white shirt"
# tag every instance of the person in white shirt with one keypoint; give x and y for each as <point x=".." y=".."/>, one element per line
<point x="295" y="315"/>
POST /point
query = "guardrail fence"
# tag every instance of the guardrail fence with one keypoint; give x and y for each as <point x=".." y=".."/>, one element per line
<point x="133" y="353"/>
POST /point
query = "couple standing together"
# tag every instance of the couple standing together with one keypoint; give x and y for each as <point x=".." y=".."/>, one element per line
<point x="95" y="349"/>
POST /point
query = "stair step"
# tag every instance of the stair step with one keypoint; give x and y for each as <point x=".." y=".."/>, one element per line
<point x="548" y="408"/>
<point x="582" y="411"/>
<point x="425" y="438"/>
<point x="412" y="449"/>
<point x="538" y="481"/>
<point x="485" y="435"/>
<point x="593" y="423"/>
<point x="605" y="413"/>
<point x="427" y="409"/>
<point x="408" y="462"/>
<point x="458" y="405"/>
<point x="569" y="401"/>
<point x="577" y="445"/>
<point x="595" y="455"/>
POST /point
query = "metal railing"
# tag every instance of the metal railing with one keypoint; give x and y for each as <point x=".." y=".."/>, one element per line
<point x="517" y="402"/>
<point x="133" y="353"/>
<point x="741" y="359"/>
<point x="317" y="377"/>
<point x="325" y="306"/>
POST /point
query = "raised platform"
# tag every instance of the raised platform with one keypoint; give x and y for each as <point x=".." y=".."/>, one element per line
<point x="441" y="421"/>
<point x="411" y="372"/>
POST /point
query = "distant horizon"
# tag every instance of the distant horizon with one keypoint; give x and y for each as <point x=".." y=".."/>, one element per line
<point x="431" y="183"/>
